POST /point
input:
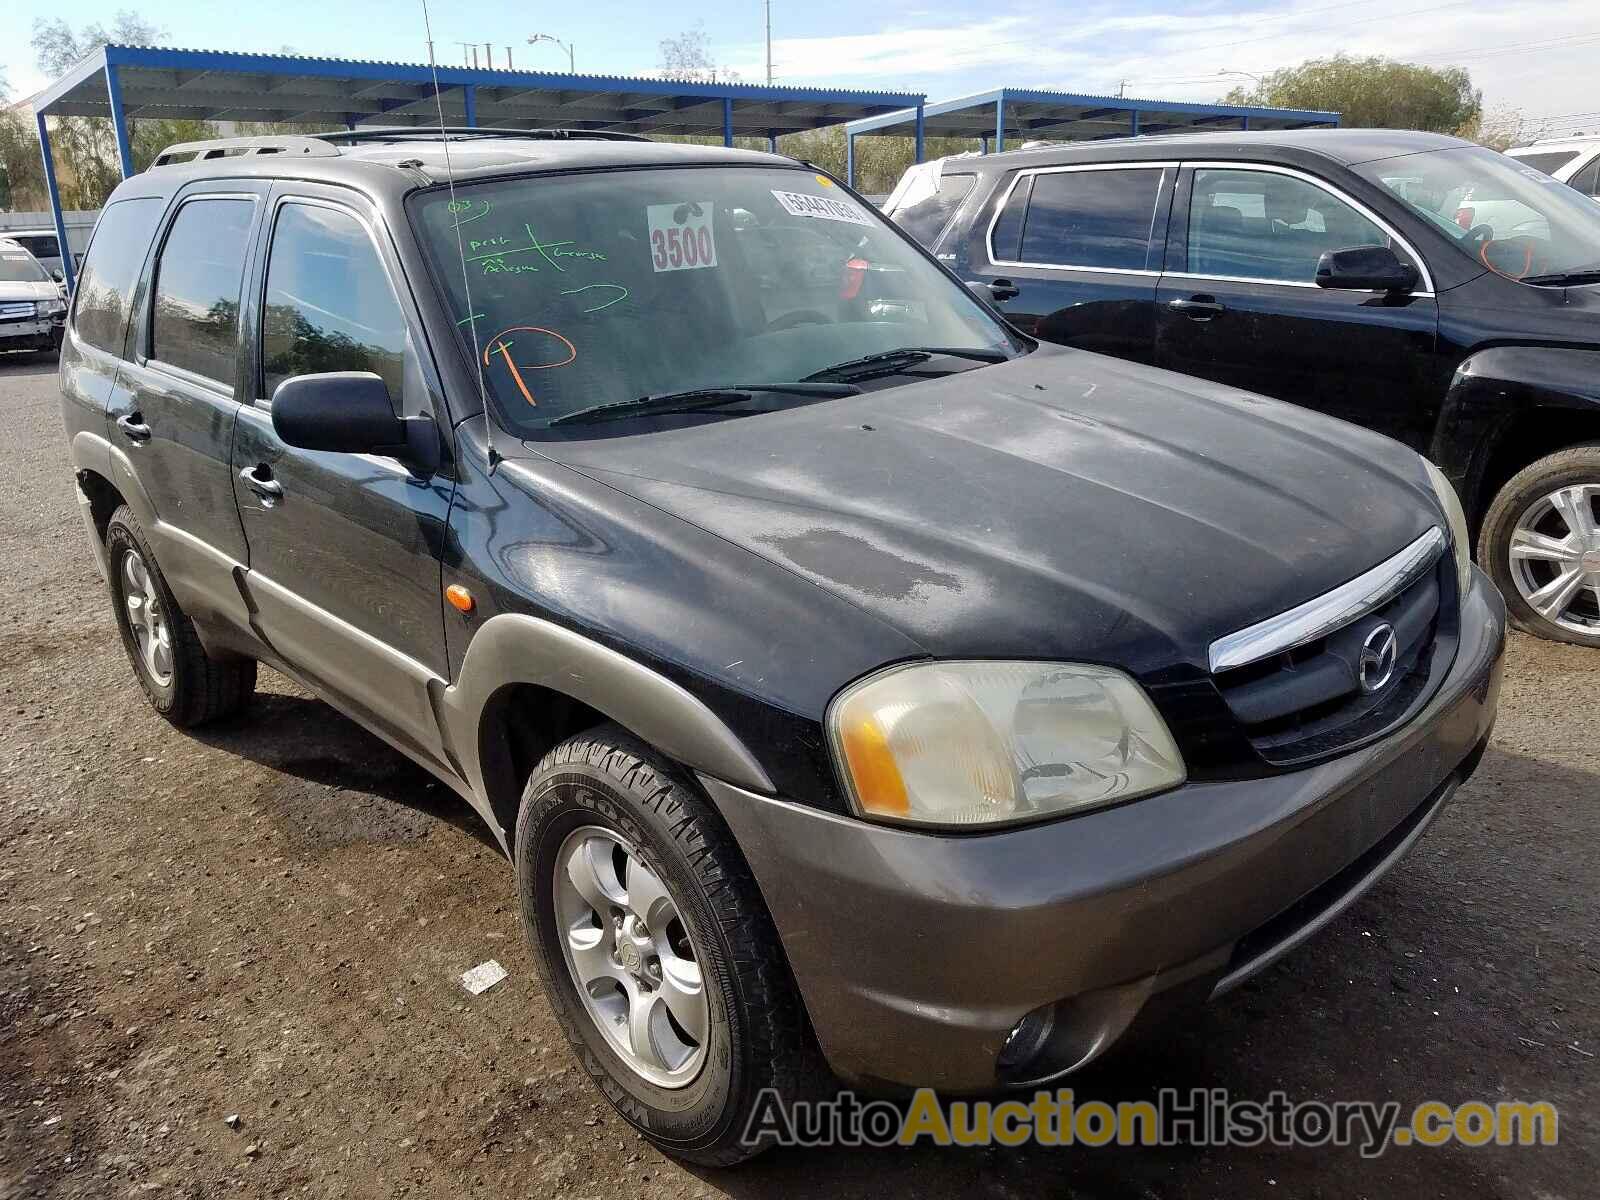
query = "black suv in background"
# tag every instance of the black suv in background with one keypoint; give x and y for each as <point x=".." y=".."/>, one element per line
<point x="1417" y="284"/>
<point x="840" y="668"/>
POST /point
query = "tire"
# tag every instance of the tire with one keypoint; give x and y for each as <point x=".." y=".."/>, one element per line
<point x="194" y="686"/>
<point x="604" y="784"/>
<point x="1526" y="503"/>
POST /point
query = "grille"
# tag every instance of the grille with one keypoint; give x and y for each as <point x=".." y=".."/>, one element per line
<point x="16" y="312"/>
<point x="1310" y="701"/>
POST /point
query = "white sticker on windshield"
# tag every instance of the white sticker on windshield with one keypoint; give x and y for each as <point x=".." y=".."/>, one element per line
<point x="802" y="204"/>
<point x="681" y="237"/>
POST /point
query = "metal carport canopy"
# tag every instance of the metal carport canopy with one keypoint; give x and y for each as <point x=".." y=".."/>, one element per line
<point x="133" y="82"/>
<point x="1026" y="114"/>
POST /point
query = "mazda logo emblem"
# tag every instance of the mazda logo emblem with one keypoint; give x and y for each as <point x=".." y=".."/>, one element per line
<point x="1378" y="655"/>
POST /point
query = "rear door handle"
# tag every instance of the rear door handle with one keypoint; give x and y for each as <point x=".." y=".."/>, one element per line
<point x="1003" y="289"/>
<point x="1198" y="308"/>
<point x="133" y="427"/>
<point x="268" y="488"/>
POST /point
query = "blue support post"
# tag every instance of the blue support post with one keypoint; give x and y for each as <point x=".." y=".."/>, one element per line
<point x="850" y="158"/>
<point x="55" y="203"/>
<point x="1000" y="123"/>
<point x="1246" y="124"/>
<point x="985" y="140"/>
<point x="727" y="122"/>
<point x="922" y="126"/>
<point x="772" y="143"/>
<point x="1133" y="124"/>
<point x="119" y="122"/>
<point x="469" y="96"/>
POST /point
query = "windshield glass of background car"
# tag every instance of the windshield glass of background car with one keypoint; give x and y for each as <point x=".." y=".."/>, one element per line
<point x="18" y="266"/>
<point x="1513" y="219"/>
<point x="605" y="287"/>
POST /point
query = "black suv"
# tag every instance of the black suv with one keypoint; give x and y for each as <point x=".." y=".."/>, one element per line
<point x="844" y="673"/>
<point x="1419" y="285"/>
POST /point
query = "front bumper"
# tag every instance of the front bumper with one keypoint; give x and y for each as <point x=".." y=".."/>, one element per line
<point x="29" y="335"/>
<point x="918" y="953"/>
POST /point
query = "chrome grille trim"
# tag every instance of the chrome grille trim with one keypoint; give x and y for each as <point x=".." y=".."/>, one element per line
<point x="1317" y="618"/>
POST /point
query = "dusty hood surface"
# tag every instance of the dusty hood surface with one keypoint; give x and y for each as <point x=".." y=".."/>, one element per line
<point x="1063" y="505"/>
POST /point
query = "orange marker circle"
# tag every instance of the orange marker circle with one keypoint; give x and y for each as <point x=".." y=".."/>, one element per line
<point x="459" y="597"/>
<point x="499" y="342"/>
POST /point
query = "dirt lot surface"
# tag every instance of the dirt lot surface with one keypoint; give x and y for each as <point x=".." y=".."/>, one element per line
<point x="266" y="922"/>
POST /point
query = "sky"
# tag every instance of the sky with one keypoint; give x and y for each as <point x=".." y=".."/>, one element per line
<point x="1535" y="56"/>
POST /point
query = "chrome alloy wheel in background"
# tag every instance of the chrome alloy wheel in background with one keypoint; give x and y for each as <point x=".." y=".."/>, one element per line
<point x="631" y="957"/>
<point x="147" y="618"/>
<point x="1555" y="558"/>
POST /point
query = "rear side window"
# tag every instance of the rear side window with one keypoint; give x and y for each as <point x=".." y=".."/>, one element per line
<point x="40" y="245"/>
<point x="927" y="215"/>
<point x="1587" y="180"/>
<point x="196" y="322"/>
<point x="1092" y="218"/>
<point x="106" y="283"/>
<point x="1549" y="162"/>
<point x="329" y="304"/>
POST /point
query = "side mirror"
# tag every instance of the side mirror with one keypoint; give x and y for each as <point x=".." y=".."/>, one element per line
<point x="1365" y="269"/>
<point x="58" y="276"/>
<point x="351" y="412"/>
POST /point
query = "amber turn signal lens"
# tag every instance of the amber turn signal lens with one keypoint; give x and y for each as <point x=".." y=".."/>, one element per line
<point x="459" y="597"/>
<point x="879" y="788"/>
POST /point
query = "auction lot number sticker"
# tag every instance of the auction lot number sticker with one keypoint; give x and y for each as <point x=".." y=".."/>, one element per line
<point x="800" y="204"/>
<point x="680" y="236"/>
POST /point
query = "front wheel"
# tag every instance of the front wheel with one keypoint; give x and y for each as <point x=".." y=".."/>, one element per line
<point x="1540" y="543"/>
<point x="655" y="949"/>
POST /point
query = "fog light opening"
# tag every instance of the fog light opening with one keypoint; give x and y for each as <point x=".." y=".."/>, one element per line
<point x="1027" y="1039"/>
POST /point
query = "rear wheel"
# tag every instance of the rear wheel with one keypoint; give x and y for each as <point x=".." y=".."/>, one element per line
<point x="1540" y="543"/>
<point x="184" y="684"/>
<point x="654" y="946"/>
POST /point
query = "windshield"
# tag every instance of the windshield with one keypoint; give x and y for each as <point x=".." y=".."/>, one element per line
<point x="603" y="288"/>
<point x="1511" y="218"/>
<point x="18" y="266"/>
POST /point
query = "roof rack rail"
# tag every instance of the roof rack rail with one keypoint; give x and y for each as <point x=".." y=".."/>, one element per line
<point x="187" y="152"/>
<point x="418" y="133"/>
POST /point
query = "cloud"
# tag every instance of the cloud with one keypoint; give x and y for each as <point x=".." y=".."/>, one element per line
<point x="1178" y="55"/>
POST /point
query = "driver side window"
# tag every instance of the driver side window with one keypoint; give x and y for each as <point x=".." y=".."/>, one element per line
<point x="329" y="306"/>
<point x="1247" y="224"/>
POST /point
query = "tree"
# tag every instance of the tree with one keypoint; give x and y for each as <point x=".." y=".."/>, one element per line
<point x="688" y="56"/>
<point x="1503" y="128"/>
<point x="1372" y="93"/>
<point x="84" y="148"/>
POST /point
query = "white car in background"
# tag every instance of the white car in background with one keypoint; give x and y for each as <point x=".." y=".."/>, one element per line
<point x="1574" y="161"/>
<point x="43" y="245"/>
<point x="33" y="306"/>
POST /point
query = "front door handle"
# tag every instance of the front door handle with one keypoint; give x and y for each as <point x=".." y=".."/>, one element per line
<point x="133" y="427"/>
<point x="1198" y="308"/>
<point x="260" y="481"/>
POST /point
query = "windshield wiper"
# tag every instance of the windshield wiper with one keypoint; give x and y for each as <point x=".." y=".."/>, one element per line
<point x="1589" y="274"/>
<point x="905" y="357"/>
<point x="697" y="399"/>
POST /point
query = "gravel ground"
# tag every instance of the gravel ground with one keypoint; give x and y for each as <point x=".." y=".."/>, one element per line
<point x="266" y="921"/>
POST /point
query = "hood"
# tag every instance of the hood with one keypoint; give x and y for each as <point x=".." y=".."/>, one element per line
<point x="42" y="290"/>
<point x="1063" y="505"/>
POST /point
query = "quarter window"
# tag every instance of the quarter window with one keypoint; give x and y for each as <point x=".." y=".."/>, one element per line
<point x="925" y="217"/>
<point x="1587" y="180"/>
<point x="1092" y="218"/>
<point x="1261" y="225"/>
<point x="1005" y="242"/>
<point x="329" y="303"/>
<point x="196" y="322"/>
<point x="109" y="274"/>
<point x="1549" y="162"/>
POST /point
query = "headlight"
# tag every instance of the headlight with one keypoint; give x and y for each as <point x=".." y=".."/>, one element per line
<point x="1460" y="539"/>
<point x="987" y="743"/>
<point x="53" y="308"/>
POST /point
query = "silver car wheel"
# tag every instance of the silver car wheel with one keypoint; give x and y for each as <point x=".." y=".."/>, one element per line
<point x="1555" y="558"/>
<point x="152" y="632"/>
<point x="631" y="956"/>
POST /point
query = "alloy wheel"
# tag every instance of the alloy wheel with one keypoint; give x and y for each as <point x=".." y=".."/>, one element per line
<point x="1555" y="558"/>
<point x="147" y="617"/>
<point x="631" y="957"/>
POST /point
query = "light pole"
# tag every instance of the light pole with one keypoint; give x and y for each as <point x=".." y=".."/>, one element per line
<point x="555" y="41"/>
